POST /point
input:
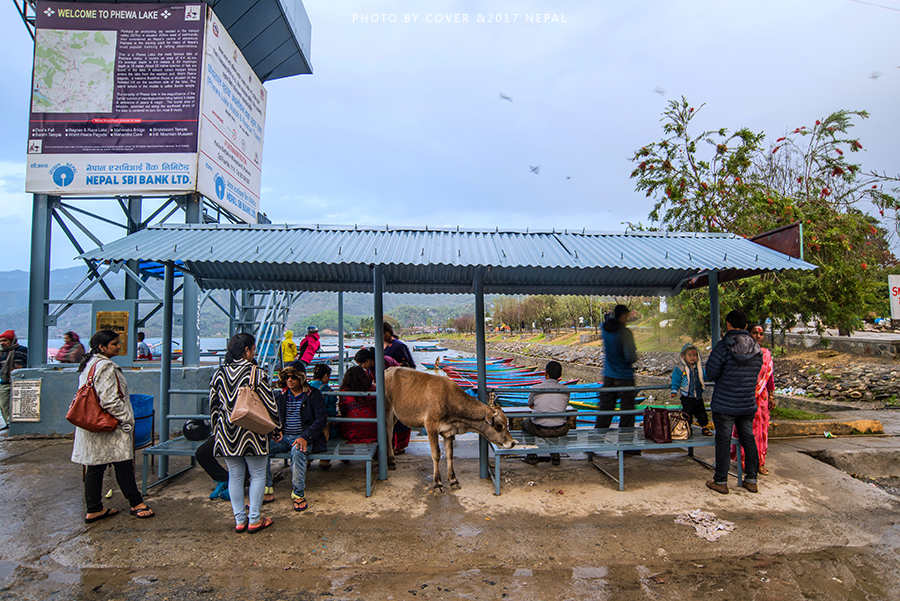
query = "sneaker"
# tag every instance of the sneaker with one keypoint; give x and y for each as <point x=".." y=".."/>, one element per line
<point x="221" y="487"/>
<point x="531" y="459"/>
<point x="722" y="489"/>
<point x="554" y="458"/>
<point x="751" y="486"/>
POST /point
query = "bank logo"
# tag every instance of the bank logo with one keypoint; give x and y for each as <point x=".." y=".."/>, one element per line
<point x="220" y="186"/>
<point x="63" y="174"/>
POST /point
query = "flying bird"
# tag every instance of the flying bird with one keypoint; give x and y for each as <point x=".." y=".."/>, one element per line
<point x="505" y="97"/>
<point x="568" y="177"/>
<point x="659" y="91"/>
<point x="535" y="170"/>
<point x="875" y="75"/>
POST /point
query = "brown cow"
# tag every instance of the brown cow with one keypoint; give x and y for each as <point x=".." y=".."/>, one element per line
<point x="440" y="406"/>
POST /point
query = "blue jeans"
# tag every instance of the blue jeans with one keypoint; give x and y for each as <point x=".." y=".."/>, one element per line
<point x="298" y="463"/>
<point x="236" y="468"/>
<point x="725" y="425"/>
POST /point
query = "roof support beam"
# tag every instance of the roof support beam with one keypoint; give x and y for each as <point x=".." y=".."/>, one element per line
<point x="715" y="329"/>
<point x="478" y="285"/>
<point x="383" y="434"/>
<point x="165" y="364"/>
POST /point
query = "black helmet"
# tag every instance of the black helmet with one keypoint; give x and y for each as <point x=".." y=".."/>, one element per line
<point x="196" y="429"/>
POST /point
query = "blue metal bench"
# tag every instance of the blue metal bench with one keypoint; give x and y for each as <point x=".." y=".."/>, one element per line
<point x="593" y="440"/>
<point x="338" y="449"/>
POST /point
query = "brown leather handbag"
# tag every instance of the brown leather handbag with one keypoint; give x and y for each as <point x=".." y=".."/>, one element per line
<point x="250" y="412"/>
<point x="656" y="425"/>
<point x="85" y="410"/>
<point x="681" y="425"/>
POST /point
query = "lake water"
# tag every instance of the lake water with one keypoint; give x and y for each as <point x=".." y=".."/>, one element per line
<point x="329" y="346"/>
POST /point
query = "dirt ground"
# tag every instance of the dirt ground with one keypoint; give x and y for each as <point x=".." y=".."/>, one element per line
<point x="567" y="532"/>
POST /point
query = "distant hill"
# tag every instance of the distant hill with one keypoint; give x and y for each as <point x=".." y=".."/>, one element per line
<point x="409" y="309"/>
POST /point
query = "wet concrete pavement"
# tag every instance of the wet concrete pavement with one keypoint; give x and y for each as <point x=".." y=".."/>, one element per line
<point x="813" y="532"/>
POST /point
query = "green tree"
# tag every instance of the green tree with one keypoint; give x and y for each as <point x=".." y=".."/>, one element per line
<point x="717" y="181"/>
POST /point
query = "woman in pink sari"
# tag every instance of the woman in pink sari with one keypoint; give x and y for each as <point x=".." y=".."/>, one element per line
<point x="765" y="387"/>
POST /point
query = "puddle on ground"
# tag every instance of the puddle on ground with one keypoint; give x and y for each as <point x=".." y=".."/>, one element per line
<point x="869" y="573"/>
<point x="7" y="568"/>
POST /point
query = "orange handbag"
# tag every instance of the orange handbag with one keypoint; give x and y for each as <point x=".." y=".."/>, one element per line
<point x="85" y="410"/>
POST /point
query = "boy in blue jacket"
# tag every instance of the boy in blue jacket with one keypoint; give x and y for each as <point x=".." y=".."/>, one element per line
<point x="687" y="380"/>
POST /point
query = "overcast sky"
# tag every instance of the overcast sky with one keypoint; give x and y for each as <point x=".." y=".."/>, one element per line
<point x="402" y="123"/>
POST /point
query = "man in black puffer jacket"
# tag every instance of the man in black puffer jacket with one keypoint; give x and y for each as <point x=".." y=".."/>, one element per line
<point x="734" y="365"/>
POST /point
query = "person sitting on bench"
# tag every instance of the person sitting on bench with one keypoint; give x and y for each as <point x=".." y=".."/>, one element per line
<point x="302" y="411"/>
<point x="547" y="402"/>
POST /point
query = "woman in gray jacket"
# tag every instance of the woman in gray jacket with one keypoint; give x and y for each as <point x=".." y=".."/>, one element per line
<point x="96" y="450"/>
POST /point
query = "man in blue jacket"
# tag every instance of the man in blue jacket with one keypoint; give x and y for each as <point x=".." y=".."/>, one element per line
<point x="620" y="355"/>
<point x="734" y="365"/>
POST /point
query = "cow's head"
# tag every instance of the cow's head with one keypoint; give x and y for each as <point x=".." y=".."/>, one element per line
<point x="498" y="430"/>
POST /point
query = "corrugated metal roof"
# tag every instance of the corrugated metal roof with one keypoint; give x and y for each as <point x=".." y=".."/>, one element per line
<point x="272" y="257"/>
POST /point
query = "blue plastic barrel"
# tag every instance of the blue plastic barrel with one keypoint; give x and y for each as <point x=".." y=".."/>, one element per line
<point x="142" y="404"/>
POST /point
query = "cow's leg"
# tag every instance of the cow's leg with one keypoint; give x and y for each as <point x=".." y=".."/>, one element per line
<point x="391" y="420"/>
<point x="451" y="474"/>
<point x="435" y="458"/>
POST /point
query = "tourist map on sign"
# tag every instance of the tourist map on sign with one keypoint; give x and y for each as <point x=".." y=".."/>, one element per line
<point x="73" y="71"/>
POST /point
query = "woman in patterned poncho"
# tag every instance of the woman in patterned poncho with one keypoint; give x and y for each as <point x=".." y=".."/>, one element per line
<point x="242" y="449"/>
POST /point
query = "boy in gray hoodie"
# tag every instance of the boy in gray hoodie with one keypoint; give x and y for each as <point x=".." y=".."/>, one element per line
<point x="687" y="380"/>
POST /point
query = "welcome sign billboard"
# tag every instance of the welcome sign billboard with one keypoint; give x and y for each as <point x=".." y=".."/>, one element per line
<point x="117" y="94"/>
<point x="115" y="98"/>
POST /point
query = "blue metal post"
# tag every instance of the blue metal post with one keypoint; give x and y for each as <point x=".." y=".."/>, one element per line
<point x="715" y="328"/>
<point x="483" y="461"/>
<point x="132" y="289"/>
<point x="190" y="295"/>
<point x="384" y="437"/>
<point x="340" y="377"/>
<point x="165" y="364"/>
<point x="39" y="280"/>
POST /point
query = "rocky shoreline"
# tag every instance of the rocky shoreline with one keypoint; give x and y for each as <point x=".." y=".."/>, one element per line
<point x="826" y="379"/>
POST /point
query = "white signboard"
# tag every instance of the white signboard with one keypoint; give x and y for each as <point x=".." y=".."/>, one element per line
<point x="26" y="401"/>
<point x="894" y="289"/>
<point x="232" y="119"/>
<point x="138" y="99"/>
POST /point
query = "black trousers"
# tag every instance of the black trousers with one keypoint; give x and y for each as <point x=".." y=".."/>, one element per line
<point x="608" y="403"/>
<point x="211" y="465"/>
<point x="696" y="409"/>
<point x="93" y="484"/>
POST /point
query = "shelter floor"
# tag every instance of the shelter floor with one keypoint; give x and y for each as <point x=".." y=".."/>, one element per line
<point x="561" y="532"/>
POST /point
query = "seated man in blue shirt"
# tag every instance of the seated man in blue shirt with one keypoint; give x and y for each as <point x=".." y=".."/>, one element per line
<point x="547" y="402"/>
<point x="301" y="408"/>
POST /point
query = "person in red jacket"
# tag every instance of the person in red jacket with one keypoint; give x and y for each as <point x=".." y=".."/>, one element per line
<point x="307" y="349"/>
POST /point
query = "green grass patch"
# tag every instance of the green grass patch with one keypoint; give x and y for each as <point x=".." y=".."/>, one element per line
<point x="794" y="414"/>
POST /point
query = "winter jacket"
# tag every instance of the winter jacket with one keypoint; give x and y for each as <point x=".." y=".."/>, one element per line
<point x="308" y="347"/>
<point x="620" y="350"/>
<point x="683" y="374"/>
<point x="734" y="366"/>
<point x="399" y="352"/>
<point x="100" y="448"/>
<point x="313" y="417"/>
